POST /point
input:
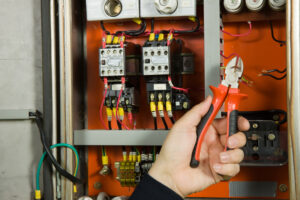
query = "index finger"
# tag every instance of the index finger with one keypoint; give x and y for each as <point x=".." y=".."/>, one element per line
<point x="221" y="125"/>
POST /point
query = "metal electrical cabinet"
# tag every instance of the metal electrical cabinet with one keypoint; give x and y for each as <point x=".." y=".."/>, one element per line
<point x="73" y="84"/>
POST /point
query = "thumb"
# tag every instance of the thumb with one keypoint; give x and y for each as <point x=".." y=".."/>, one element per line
<point x="193" y="117"/>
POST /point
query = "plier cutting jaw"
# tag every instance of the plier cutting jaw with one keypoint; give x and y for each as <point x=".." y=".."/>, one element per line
<point x="228" y="88"/>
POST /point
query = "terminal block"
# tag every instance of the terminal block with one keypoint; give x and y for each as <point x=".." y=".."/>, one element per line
<point x="129" y="100"/>
<point x="128" y="173"/>
<point x="116" y="61"/>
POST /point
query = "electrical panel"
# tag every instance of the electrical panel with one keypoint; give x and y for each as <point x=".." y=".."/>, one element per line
<point x="152" y="75"/>
<point x="148" y="63"/>
<point x="112" y="9"/>
<point x="168" y="8"/>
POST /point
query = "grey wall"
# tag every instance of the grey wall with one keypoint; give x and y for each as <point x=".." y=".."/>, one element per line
<point x="20" y="87"/>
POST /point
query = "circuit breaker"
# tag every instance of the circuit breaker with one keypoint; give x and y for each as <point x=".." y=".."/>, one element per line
<point x="112" y="9"/>
<point x="168" y="8"/>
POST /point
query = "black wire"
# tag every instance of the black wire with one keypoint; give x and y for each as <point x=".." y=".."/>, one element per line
<point x="155" y="123"/>
<point x="172" y="120"/>
<point x="276" y="70"/>
<point x="138" y="32"/>
<point x="152" y="25"/>
<point x="103" y="28"/>
<point x="185" y="31"/>
<point x="274" y="77"/>
<point x="135" y="32"/>
<point x="109" y="125"/>
<point x="281" y="42"/>
<point x="119" y="125"/>
<point x="165" y="123"/>
<point x="57" y="166"/>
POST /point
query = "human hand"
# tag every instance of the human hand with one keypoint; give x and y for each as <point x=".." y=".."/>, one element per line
<point x="172" y="167"/>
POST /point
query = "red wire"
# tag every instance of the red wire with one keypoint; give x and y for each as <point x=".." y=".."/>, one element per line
<point x="240" y="35"/>
<point x="177" y="88"/>
<point x="101" y="108"/>
<point x="117" y="116"/>
<point x="231" y="55"/>
<point x="117" y="108"/>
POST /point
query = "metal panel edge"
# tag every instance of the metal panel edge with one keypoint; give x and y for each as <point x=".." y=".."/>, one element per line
<point x="118" y="138"/>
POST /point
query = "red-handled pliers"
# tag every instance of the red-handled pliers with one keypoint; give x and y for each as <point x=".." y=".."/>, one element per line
<point x="228" y="88"/>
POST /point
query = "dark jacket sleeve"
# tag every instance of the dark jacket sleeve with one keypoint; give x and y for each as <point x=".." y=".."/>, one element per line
<point x="151" y="189"/>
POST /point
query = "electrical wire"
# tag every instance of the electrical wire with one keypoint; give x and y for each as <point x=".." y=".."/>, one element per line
<point x="172" y="120"/>
<point x="152" y="25"/>
<point x="267" y="73"/>
<point x="193" y="30"/>
<point x="109" y="125"/>
<point x="165" y="123"/>
<point x="240" y="35"/>
<point x="101" y="109"/>
<point x="274" y="70"/>
<point x="119" y="125"/>
<point x="231" y="55"/>
<point x="176" y="88"/>
<point x="103" y="28"/>
<point x="281" y="42"/>
<point x="274" y="77"/>
<point x="44" y="155"/>
<point x="138" y="32"/>
<point x="57" y="166"/>
<point x="155" y="123"/>
<point x="117" y="108"/>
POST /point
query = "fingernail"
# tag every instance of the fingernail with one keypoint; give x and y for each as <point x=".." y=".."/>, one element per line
<point x="224" y="157"/>
<point x="217" y="167"/>
<point x="232" y="142"/>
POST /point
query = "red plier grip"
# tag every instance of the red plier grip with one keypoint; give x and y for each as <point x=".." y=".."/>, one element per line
<point x="219" y="95"/>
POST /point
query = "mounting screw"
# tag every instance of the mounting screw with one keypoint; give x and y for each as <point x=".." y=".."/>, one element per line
<point x="271" y="136"/>
<point x="97" y="185"/>
<point x="185" y="105"/>
<point x="276" y="117"/>
<point x="255" y="148"/>
<point x="168" y="96"/>
<point x="151" y="96"/>
<point x="255" y="125"/>
<point x="283" y="187"/>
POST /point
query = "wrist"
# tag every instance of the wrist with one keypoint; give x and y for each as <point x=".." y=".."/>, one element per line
<point x="165" y="178"/>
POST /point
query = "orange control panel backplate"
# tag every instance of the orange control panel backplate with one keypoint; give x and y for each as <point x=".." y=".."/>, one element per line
<point x="258" y="52"/>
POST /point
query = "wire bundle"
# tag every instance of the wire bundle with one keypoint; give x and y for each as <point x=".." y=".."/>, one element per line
<point x="268" y="73"/>
<point x="138" y="32"/>
<point x="37" y="192"/>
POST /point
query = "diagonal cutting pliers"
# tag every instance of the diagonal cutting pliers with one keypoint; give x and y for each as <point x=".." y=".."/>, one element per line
<point x="229" y="88"/>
